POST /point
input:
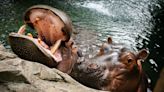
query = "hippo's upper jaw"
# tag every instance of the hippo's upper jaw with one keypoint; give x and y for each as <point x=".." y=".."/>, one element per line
<point x="114" y="69"/>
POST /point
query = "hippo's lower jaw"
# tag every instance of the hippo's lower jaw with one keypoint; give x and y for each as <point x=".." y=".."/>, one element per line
<point x="56" y="56"/>
<point x="54" y="52"/>
<point x="29" y="48"/>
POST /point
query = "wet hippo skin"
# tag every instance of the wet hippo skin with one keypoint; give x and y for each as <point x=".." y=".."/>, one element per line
<point x="114" y="69"/>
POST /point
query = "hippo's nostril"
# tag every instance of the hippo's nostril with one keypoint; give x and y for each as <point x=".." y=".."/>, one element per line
<point x="93" y="66"/>
<point x="130" y="60"/>
<point x="79" y="53"/>
<point x="81" y="60"/>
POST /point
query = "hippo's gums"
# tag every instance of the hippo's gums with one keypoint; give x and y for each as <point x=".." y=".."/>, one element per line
<point x="114" y="69"/>
<point x="54" y="29"/>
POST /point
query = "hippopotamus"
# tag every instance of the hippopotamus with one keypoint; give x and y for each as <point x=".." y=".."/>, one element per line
<point x="53" y="45"/>
<point x="115" y="69"/>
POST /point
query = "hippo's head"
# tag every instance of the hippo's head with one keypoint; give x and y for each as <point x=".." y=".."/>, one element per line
<point x="115" y="68"/>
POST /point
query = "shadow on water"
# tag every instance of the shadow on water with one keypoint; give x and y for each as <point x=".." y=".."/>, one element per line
<point x="137" y="23"/>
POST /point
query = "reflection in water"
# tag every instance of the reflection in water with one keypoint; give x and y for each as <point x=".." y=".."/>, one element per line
<point x="137" y="23"/>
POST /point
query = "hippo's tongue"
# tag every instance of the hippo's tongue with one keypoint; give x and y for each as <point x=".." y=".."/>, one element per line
<point x="57" y="56"/>
<point x="53" y="51"/>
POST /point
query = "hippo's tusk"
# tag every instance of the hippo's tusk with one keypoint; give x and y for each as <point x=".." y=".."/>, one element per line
<point x="30" y="35"/>
<point x="37" y="18"/>
<point x="39" y="40"/>
<point x="55" y="46"/>
<point x="42" y="43"/>
<point x="22" y="29"/>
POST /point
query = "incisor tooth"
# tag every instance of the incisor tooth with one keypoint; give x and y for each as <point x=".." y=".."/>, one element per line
<point x="22" y="29"/>
<point x="37" y="18"/>
<point x="55" y="46"/>
<point x="30" y="35"/>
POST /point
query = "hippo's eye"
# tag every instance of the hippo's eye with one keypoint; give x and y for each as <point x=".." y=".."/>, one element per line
<point x="130" y="60"/>
<point x="106" y="50"/>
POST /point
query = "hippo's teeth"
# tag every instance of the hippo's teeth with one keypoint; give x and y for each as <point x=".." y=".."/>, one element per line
<point x="30" y="35"/>
<point x="57" y="56"/>
<point x="37" y="18"/>
<point x="39" y="40"/>
<point x="22" y="29"/>
<point x="55" y="46"/>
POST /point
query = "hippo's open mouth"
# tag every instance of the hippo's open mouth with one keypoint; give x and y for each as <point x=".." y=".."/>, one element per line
<point x="56" y="53"/>
<point x="53" y="51"/>
<point x="30" y="49"/>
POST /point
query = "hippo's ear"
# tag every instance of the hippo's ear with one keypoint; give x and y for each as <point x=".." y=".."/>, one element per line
<point x="142" y="54"/>
<point x="109" y="40"/>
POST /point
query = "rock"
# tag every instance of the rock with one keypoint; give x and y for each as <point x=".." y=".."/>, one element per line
<point x="6" y="55"/>
<point x="18" y="75"/>
<point x="2" y="48"/>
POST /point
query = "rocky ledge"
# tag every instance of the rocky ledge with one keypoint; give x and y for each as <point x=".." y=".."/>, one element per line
<point x="18" y="75"/>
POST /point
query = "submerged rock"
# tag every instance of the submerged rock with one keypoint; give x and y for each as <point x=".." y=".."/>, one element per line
<point x="18" y="75"/>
